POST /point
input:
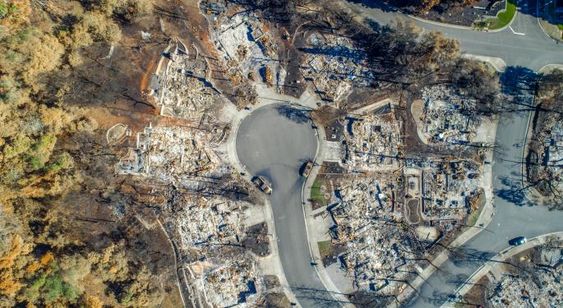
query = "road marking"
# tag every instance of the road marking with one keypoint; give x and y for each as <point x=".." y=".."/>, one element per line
<point x="517" y="33"/>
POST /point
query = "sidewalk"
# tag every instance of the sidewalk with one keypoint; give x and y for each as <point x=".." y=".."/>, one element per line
<point x="468" y="28"/>
<point x="485" y="217"/>
<point x="267" y="96"/>
<point x="501" y="256"/>
<point x="497" y="63"/>
<point x="309" y="221"/>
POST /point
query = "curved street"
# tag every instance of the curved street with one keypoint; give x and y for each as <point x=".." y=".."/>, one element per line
<point x="274" y="141"/>
<point x="523" y="44"/>
<point x="530" y="47"/>
<point x="510" y="219"/>
<point x="274" y="144"/>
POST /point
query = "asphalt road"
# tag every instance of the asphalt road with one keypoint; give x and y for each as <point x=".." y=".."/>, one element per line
<point x="524" y="45"/>
<point x="510" y="219"/>
<point x="275" y="144"/>
<point x="269" y="143"/>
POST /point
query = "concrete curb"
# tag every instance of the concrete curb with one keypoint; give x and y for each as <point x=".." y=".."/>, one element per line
<point x="509" y="23"/>
<point x="550" y="67"/>
<point x="441" y="24"/>
<point x="497" y="63"/>
<point x="501" y="256"/>
<point x="539" y="16"/>
<point x="452" y="26"/>
<point x="308" y="214"/>
<point x="484" y="219"/>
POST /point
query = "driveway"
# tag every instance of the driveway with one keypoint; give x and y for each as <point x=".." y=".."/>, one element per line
<point x="522" y="44"/>
<point x="269" y="143"/>
<point x="510" y="219"/>
<point x="274" y="141"/>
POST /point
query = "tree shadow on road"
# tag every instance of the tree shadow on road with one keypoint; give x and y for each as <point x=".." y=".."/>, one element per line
<point x="320" y="297"/>
<point x="294" y="114"/>
<point x="324" y="298"/>
<point x="376" y="4"/>
<point x="513" y="191"/>
<point x="518" y="84"/>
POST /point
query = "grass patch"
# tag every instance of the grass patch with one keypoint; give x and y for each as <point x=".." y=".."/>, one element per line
<point x="503" y="17"/>
<point x="325" y="248"/>
<point x="472" y="219"/>
<point x="317" y="196"/>
<point x="51" y="287"/>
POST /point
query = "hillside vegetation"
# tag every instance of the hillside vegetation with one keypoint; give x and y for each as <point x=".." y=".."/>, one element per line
<point x="45" y="86"/>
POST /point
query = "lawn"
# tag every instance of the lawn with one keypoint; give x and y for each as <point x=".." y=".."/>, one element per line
<point x="503" y="17"/>
<point x="317" y="196"/>
<point x="474" y="216"/>
<point x="325" y="248"/>
<point x="472" y="219"/>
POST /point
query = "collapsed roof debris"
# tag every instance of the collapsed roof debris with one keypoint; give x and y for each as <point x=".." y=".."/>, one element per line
<point x="388" y="207"/>
<point x="378" y="252"/>
<point x="247" y="48"/>
<point x="545" y="156"/>
<point x="333" y="64"/>
<point x="373" y="141"/>
<point x="531" y="278"/>
<point x="226" y="282"/>
<point x="392" y="210"/>
<point x="207" y="221"/>
<point x="448" y="118"/>
<point x="170" y="153"/>
<point x="182" y="86"/>
<point x="204" y="201"/>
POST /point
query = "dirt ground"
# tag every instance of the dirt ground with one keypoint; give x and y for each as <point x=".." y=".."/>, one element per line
<point x="542" y="124"/>
<point x="102" y="212"/>
<point x="478" y="294"/>
<point x="413" y="211"/>
<point x="257" y="239"/>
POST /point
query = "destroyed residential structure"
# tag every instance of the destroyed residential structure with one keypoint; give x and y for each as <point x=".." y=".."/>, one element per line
<point x="387" y="211"/>
<point x="209" y="221"/>
<point x="379" y="253"/>
<point x="246" y="47"/>
<point x="200" y="212"/>
<point x="204" y="202"/>
<point x="545" y="156"/>
<point x="553" y="156"/>
<point x="532" y="278"/>
<point x="211" y="231"/>
<point x="390" y="220"/>
<point x="181" y="84"/>
<point x="447" y="117"/>
<point x="449" y="189"/>
<point x="232" y="284"/>
<point x="227" y="283"/>
<point x="171" y="152"/>
<point x="373" y="141"/>
<point x="333" y="65"/>
<point x="521" y="292"/>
